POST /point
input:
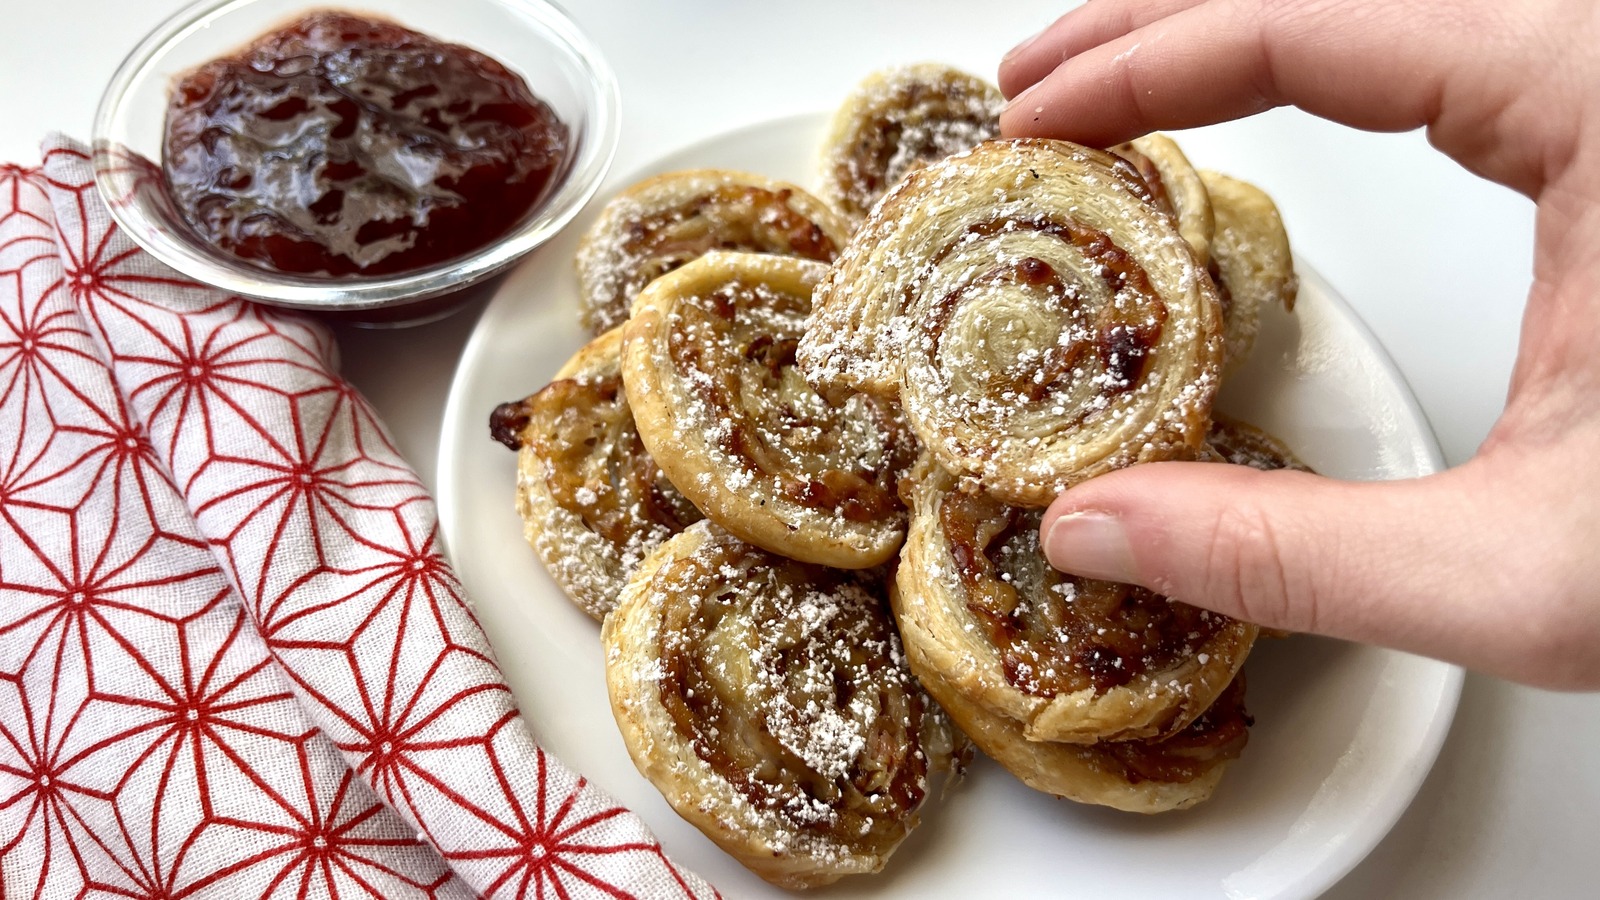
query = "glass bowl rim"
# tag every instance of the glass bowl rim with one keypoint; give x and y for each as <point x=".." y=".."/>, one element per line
<point x="601" y="100"/>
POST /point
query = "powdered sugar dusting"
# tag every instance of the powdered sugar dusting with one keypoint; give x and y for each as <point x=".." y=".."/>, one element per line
<point x="740" y="409"/>
<point x="801" y="699"/>
<point x="1039" y="319"/>
<point x="898" y="120"/>
<point x="593" y="502"/>
<point x="662" y="223"/>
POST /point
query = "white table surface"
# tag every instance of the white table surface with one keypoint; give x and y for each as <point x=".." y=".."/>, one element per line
<point x="1434" y="259"/>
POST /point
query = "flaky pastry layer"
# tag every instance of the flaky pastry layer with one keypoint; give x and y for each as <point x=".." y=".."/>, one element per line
<point x="1067" y="659"/>
<point x="663" y="222"/>
<point x="1252" y="262"/>
<point x="1177" y="187"/>
<point x="593" y="502"/>
<point x="1136" y="776"/>
<point x="708" y="361"/>
<point x="768" y="700"/>
<point x="898" y="120"/>
<point x="1039" y="318"/>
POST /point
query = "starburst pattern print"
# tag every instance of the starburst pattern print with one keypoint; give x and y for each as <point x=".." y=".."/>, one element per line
<point x="233" y="661"/>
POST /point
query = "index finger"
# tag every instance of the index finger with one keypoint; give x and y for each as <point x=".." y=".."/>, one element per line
<point x="1082" y="29"/>
<point x="1360" y="64"/>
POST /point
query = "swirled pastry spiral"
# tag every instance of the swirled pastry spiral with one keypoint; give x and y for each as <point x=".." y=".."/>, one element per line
<point x="1252" y="263"/>
<point x="708" y="361"/>
<point x="1133" y="776"/>
<point x="593" y="503"/>
<point x="1175" y="187"/>
<point x="1040" y="319"/>
<point x="663" y="222"/>
<point x="769" y="702"/>
<point x="1068" y="659"/>
<point x="897" y="120"/>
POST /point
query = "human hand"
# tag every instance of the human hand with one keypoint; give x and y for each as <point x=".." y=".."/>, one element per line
<point x="1487" y="564"/>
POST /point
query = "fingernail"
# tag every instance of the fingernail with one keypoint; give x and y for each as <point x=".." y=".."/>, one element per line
<point x="1026" y="43"/>
<point x="1091" y="544"/>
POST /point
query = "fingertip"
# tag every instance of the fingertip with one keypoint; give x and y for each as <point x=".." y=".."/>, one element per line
<point x="1024" y="115"/>
<point x="1091" y="529"/>
<point x="1091" y="544"/>
<point x="1076" y="31"/>
<point x="1158" y="526"/>
<point x="1082" y="100"/>
<point x="1153" y="78"/>
<point x="1466" y="564"/>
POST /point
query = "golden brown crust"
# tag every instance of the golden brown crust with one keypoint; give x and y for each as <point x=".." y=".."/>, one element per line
<point x="708" y="365"/>
<point x="663" y="222"/>
<point x="1242" y="444"/>
<point x="1068" y="659"/>
<point x="593" y="503"/>
<point x="1252" y="262"/>
<point x="898" y="120"/>
<point x="1039" y="319"/>
<point x="769" y="702"/>
<point x="1140" y="776"/>
<point x="1178" y="187"/>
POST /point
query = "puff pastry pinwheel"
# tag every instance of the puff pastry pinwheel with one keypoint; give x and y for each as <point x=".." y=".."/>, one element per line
<point x="1133" y="776"/>
<point x="1175" y="187"/>
<point x="708" y="361"/>
<point x="593" y="503"/>
<point x="1039" y="317"/>
<point x="897" y="120"/>
<point x="1068" y="659"/>
<point x="769" y="702"/>
<point x="1238" y="442"/>
<point x="663" y="222"/>
<point x="1252" y="263"/>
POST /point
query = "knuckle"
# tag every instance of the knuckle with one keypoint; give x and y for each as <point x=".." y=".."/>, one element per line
<point x="1245" y="573"/>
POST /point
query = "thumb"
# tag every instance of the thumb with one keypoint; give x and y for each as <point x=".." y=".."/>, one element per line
<point x="1419" y="565"/>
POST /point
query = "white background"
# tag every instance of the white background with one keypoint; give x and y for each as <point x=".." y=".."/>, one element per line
<point x="1435" y="260"/>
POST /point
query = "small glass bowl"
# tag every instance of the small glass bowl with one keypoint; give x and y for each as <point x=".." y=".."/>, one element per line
<point x="533" y="38"/>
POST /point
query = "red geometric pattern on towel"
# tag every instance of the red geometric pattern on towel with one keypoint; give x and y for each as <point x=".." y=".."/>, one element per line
<point x="233" y="661"/>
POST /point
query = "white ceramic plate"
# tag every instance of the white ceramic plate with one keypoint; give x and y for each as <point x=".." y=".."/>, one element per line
<point x="1344" y="734"/>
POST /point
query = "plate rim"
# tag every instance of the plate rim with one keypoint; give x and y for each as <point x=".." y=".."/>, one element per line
<point x="1320" y="877"/>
